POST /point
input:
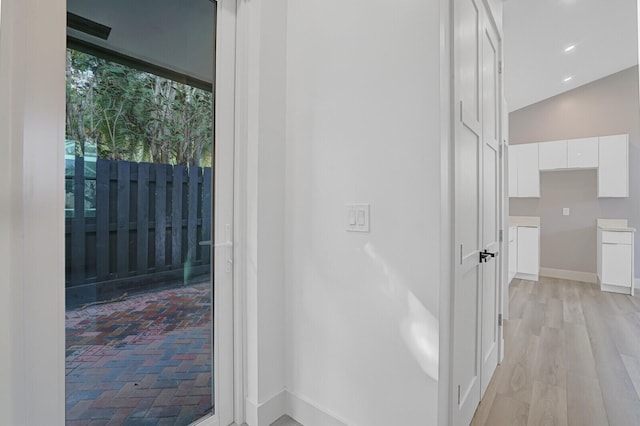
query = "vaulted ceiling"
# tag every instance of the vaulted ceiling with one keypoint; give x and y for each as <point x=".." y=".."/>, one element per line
<point x="537" y="32"/>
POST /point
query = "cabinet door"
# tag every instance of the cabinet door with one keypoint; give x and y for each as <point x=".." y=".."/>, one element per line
<point x="553" y="155"/>
<point x="528" y="171"/>
<point x="613" y="171"/>
<point x="528" y="250"/>
<point x="616" y="264"/>
<point x="582" y="153"/>
<point x="513" y="251"/>
<point x="513" y="171"/>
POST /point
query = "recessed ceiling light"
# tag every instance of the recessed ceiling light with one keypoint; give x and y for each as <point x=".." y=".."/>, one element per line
<point x="567" y="79"/>
<point x="570" y="48"/>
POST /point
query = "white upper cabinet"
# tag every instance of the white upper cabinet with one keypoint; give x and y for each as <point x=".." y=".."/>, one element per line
<point x="513" y="171"/>
<point x="553" y="155"/>
<point x="608" y="154"/>
<point x="582" y="153"/>
<point x="528" y="171"/>
<point x="613" y="170"/>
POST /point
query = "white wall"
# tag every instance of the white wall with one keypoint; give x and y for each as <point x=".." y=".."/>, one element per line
<point x="32" y="76"/>
<point x="363" y="126"/>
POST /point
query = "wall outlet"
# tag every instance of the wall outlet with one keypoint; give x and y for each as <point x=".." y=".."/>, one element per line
<point x="358" y="217"/>
<point x="565" y="211"/>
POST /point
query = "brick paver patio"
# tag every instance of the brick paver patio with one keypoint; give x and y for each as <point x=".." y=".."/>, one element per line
<point x="145" y="360"/>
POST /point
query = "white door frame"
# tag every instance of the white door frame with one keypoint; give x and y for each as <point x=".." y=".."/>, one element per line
<point x="226" y="283"/>
<point x="32" y="73"/>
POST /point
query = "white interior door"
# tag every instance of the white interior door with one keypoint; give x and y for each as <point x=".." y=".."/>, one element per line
<point x="491" y="130"/>
<point x="477" y="200"/>
<point x="468" y="210"/>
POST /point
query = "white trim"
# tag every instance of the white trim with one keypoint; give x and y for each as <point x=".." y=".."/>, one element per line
<point x="587" y="277"/>
<point x="309" y="414"/>
<point x="226" y="308"/>
<point x="447" y="270"/>
<point x="267" y="412"/>
<point x="32" y="53"/>
<point x="530" y="277"/>
<point x="207" y="421"/>
<point x="240" y="207"/>
<point x="616" y="289"/>
<point x="241" y="404"/>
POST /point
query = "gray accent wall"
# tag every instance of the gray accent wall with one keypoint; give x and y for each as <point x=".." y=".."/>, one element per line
<point x="605" y="107"/>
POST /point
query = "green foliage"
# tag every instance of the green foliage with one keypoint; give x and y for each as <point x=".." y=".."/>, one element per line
<point x="136" y="116"/>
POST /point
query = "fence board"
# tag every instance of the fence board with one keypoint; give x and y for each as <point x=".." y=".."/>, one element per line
<point x="192" y="219"/>
<point x="142" y="226"/>
<point x="176" y="226"/>
<point x="78" y="237"/>
<point x="124" y="188"/>
<point x="102" y="220"/>
<point x="161" y="216"/>
<point x="132" y="202"/>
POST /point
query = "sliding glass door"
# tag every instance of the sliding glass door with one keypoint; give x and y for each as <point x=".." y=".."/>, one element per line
<point x="148" y="216"/>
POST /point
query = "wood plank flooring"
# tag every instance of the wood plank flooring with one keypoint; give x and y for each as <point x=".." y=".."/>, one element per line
<point x="572" y="357"/>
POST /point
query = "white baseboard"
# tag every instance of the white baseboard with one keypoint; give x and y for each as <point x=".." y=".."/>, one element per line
<point x="266" y="413"/>
<point x="528" y="277"/>
<point x="307" y="413"/>
<point x="587" y="277"/>
<point x="615" y="289"/>
<point x="297" y="407"/>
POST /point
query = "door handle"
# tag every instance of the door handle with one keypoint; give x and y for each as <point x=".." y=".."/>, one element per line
<point x="216" y="245"/>
<point x="228" y="244"/>
<point x="485" y="256"/>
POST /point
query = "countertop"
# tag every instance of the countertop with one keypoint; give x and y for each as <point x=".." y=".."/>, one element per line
<point x="528" y="221"/>
<point x="615" y="225"/>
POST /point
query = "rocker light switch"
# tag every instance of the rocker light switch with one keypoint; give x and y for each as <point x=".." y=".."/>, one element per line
<point x="352" y="217"/>
<point x="358" y="217"/>
<point x="565" y="211"/>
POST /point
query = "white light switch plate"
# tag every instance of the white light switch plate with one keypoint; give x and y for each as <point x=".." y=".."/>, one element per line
<point x="565" y="211"/>
<point x="357" y="217"/>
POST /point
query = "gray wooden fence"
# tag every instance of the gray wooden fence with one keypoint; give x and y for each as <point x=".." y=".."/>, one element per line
<point x="134" y="226"/>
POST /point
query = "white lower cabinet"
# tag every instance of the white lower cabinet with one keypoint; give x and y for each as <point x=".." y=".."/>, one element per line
<point x="513" y="252"/>
<point x="528" y="252"/>
<point x="615" y="261"/>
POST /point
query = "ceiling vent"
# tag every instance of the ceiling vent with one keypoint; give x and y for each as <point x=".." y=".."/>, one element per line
<point x="87" y="26"/>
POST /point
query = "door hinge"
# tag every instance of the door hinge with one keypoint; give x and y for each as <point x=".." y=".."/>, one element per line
<point x="500" y="149"/>
<point x="458" y="394"/>
<point x="499" y="67"/>
<point x="499" y="320"/>
<point x="501" y="235"/>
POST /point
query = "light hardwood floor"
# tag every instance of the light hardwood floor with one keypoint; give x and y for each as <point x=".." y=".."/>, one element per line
<point x="572" y="357"/>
